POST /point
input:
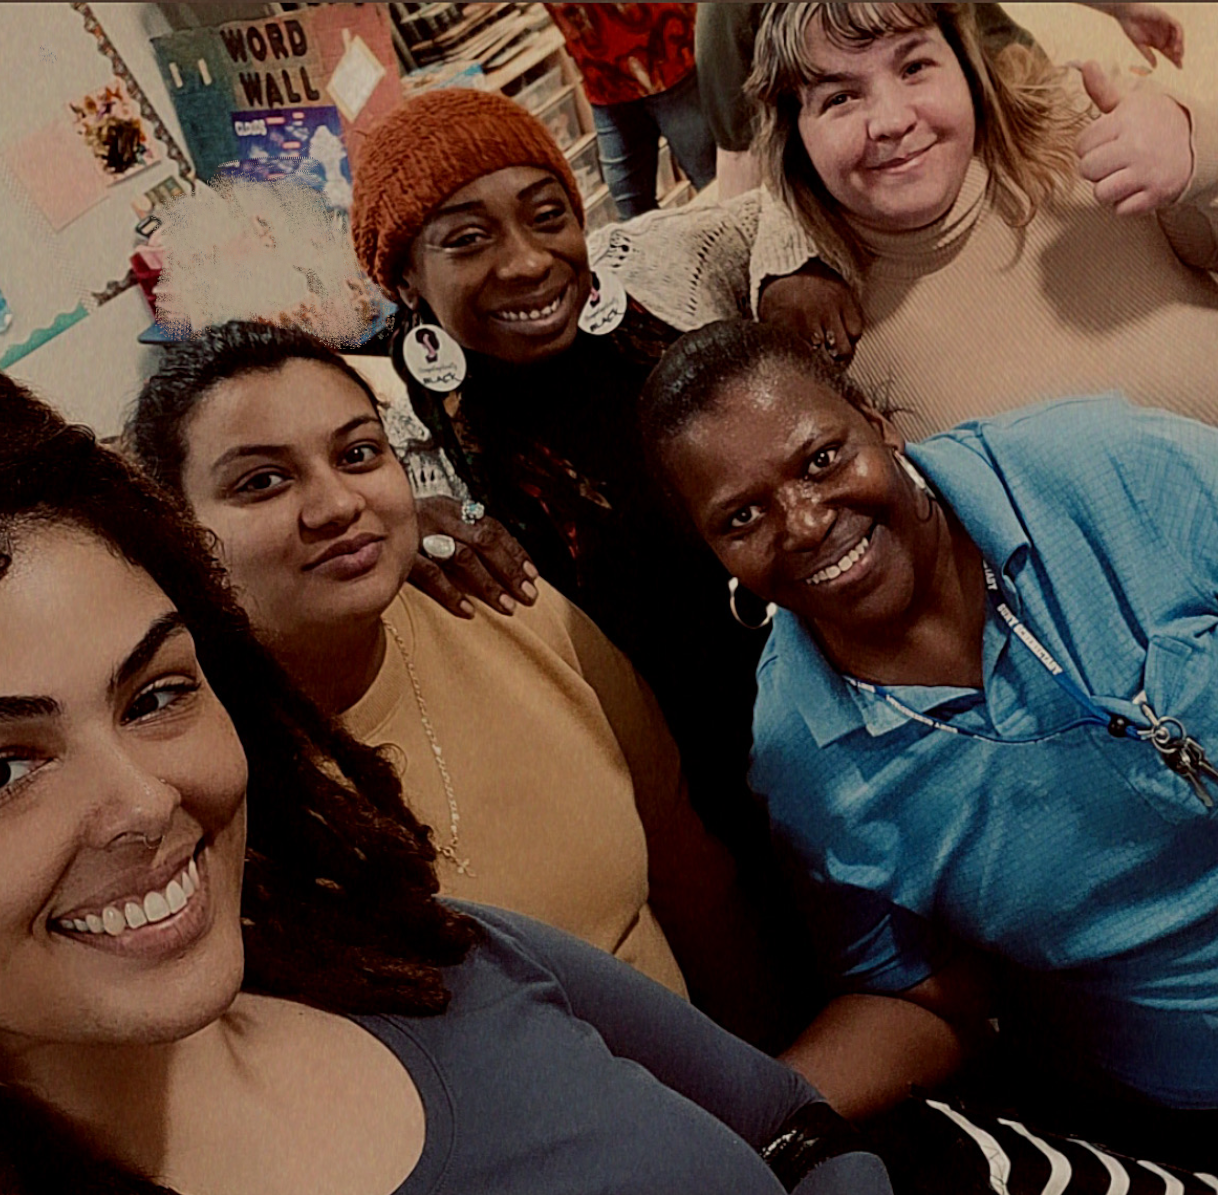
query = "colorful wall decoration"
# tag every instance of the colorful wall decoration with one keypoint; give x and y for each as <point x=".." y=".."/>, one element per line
<point x="240" y="72"/>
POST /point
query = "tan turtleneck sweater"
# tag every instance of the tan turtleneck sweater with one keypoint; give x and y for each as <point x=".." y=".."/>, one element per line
<point x="970" y="317"/>
<point x="561" y="765"/>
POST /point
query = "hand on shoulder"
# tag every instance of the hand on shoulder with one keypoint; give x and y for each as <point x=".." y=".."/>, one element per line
<point x="462" y="557"/>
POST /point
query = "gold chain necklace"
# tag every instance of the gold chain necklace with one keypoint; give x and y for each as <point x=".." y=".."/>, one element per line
<point x="454" y="816"/>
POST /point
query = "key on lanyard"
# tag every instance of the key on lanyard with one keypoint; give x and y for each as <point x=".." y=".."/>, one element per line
<point x="1182" y="753"/>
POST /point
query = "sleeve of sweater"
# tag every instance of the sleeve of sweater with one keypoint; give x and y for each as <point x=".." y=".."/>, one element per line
<point x="702" y="262"/>
<point x="1191" y="223"/>
<point x="693" y="885"/>
<point x="688" y="265"/>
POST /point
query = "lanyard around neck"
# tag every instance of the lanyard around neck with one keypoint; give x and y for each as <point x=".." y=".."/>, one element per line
<point x="1092" y="713"/>
<point x="1181" y="753"/>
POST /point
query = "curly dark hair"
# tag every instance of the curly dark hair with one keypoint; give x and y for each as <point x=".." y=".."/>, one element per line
<point x="338" y="904"/>
<point x="191" y="368"/>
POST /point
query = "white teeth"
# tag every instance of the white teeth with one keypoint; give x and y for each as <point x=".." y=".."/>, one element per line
<point x="175" y="896"/>
<point x="537" y="313"/>
<point x="156" y="906"/>
<point x="135" y="914"/>
<point x="844" y="565"/>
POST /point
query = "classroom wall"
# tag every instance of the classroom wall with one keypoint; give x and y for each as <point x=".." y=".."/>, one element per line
<point x="95" y="368"/>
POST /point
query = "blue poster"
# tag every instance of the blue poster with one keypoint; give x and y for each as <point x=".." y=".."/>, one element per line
<point x="301" y="143"/>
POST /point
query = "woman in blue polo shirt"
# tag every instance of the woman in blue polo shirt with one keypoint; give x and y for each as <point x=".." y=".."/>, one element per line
<point x="984" y="705"/>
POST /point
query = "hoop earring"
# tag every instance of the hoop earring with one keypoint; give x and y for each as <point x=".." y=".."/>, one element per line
<point x="920" y="484"/>
<point x="733" y="584"/>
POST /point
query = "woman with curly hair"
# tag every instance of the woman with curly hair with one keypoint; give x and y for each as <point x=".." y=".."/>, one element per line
<point x="968" y="198"/>
<point x="225" y="966"/>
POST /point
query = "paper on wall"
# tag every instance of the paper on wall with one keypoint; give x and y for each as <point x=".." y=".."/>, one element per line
<point x="57" y="170"/>
<point x="110" y="123"/>
<point x="355" y="77"/>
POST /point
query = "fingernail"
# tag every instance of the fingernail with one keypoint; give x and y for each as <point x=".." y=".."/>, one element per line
<point x="467" y="608"/>
<point x="530" y="570"/>
<point x="529" y="590"/>
<point x="507" y="602"/>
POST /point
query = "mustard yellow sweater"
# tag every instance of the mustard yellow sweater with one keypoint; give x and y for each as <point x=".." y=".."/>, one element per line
<point x="558" y="758"/>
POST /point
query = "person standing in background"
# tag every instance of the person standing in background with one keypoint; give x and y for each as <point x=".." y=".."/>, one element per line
<point x="637" y="63"/>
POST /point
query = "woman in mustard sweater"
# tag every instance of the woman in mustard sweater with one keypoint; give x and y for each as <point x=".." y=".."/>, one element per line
<point x="529" y="744"/>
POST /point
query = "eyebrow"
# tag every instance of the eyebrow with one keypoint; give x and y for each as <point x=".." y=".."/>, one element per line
<point x="18" y="709"/>
<point x="741" y="498"/>
<point x="167" y="626"/>
<point x="241" y="451"/>
<point x="456" y="209"/>
<point x="904" y="48"/>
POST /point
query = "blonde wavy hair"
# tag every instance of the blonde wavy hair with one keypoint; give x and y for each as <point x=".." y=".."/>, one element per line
<point x="1027" y="120"/>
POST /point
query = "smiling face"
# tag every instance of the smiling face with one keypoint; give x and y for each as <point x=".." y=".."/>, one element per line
<point x="800" y="495"/>
<point x="110" y="742"/>
<point x="889" y="127"/>
<point x="504" y="266"/>
<point x="292" y="470"/>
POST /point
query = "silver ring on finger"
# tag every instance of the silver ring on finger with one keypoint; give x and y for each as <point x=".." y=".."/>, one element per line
<point x="830" y="341"/>
<point x="472" y="511"/>
<point x="439" y="547"/>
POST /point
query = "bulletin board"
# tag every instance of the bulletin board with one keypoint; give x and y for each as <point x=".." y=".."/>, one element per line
<point x="82" y="154"/>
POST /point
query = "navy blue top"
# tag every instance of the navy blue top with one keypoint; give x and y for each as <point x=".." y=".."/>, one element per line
<point x="557" y="1068"/>
<point x="1076" y="855"/>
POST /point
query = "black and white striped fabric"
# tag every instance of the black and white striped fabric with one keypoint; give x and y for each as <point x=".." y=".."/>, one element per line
<point x="1020" y="1161"/>
<point x="930" y="1146"/>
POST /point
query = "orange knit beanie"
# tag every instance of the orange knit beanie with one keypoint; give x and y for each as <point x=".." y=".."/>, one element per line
<point x="424" y="151"/>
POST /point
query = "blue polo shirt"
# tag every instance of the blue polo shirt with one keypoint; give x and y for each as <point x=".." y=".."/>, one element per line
<point x="1076" y="856"/>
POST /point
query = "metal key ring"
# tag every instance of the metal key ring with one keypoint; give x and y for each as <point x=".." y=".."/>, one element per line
<point x="1165" y="738"/>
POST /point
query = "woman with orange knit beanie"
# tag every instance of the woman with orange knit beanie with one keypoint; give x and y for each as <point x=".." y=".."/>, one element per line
<point x="466" y="212"/>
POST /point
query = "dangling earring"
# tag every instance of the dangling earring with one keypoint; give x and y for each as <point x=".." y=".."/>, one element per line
<point x="733" y="584"/>
<point x="606" y="305"/>
<point x="434" y="358"/>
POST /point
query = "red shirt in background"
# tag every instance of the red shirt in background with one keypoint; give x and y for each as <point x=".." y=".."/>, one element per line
<point x="628" y="51"/>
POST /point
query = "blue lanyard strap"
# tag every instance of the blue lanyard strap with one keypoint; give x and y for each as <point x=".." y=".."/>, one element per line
<point x="1118" y="727"/>
<point x="1181" y="753"/>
